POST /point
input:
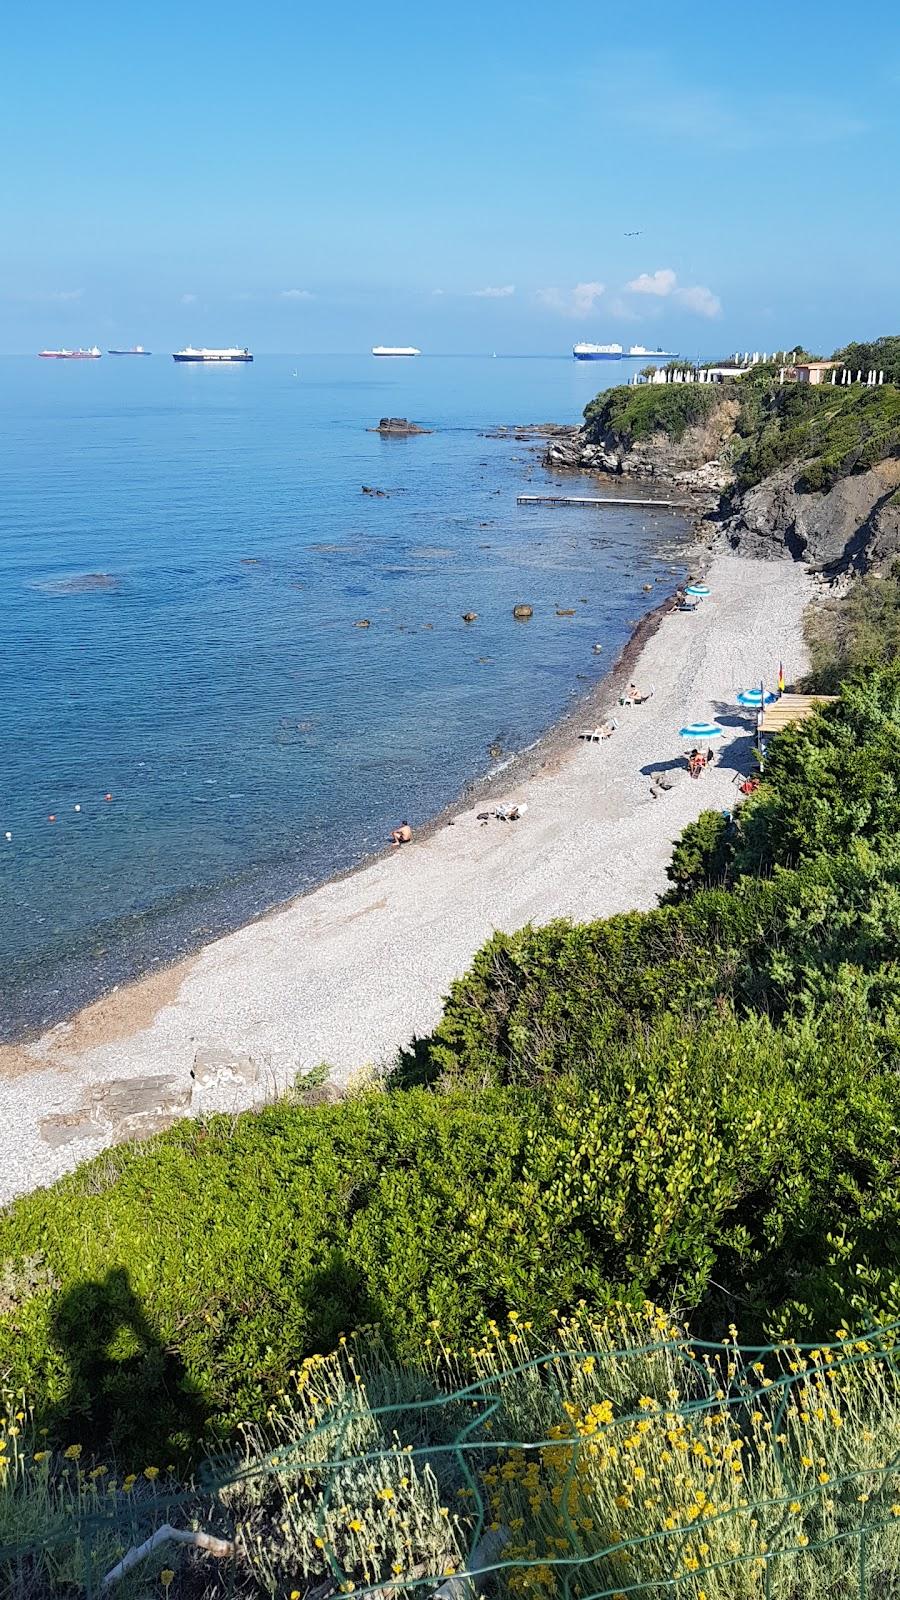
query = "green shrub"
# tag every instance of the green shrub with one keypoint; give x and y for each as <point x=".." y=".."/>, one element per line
<point x="701" y="857"/>
<point x="629" y="414"/>
<point x="856" y="634"/>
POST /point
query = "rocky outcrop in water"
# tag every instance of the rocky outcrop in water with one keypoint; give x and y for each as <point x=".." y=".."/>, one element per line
<point x="399" y="425"/>
<point x="698" y="461"/>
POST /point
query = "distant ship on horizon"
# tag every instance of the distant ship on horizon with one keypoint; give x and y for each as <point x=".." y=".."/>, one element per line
<point x="597" y="352"/>
<point x="641" y="350"/>
<point x="135" y="350"/>
<point x="615" y="352"/>
<point x="93" y="354"/>
<point x="395" y="350"/>
<point x="230" y="354"/>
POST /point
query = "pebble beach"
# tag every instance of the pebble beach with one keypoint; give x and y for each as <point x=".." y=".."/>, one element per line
<point x="348" y="973"/>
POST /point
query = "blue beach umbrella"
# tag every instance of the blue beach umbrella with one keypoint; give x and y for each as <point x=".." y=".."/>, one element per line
<point x="754" y="697"/>
<point x="701" y="731"/>
<point x="698" y="589"/>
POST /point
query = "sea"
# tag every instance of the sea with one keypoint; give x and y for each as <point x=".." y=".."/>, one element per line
<point x="194" y="722"/>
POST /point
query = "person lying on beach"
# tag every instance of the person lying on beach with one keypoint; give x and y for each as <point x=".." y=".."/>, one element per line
<point x="401" y="835"/>
<point x="634" y="696"/>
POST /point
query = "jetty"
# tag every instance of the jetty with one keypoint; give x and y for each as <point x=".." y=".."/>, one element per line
<point x="603" y="500"/>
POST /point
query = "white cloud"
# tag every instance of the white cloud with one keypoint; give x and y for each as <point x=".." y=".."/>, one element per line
<point x="296" y="294"/>
<point x="577" y="302"/>
<point x="664" y="285"/>
<point x="661" y="282"/>
<point x="702" y="300"/>
<point x="188" y="299"/>
<point x="494" y="294"/>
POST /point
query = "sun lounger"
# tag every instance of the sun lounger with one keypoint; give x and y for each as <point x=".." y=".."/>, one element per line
<point x="604" y="731"/>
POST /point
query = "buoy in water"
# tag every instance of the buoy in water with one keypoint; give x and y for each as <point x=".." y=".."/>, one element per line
<point x="7" y="836"/>
<point x="107" y="797"/>
<point x="52" y="817"/>
<point x="77" y="808"/>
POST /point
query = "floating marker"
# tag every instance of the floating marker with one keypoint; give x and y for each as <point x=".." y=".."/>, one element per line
<point x="7" y="836"/>
<point x="107" y="797"/>
<point x="52" y="817"/>
<point x="77" y="808"/>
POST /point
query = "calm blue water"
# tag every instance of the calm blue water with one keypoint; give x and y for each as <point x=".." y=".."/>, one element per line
<point x="253" y="740"/>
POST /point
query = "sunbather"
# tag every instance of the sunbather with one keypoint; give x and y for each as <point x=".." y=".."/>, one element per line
<point x="401" y="835"/>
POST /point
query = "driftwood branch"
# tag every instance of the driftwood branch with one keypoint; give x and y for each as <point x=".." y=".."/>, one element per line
<point x="484" y="1555"/>
<point x="167" y="1535"/>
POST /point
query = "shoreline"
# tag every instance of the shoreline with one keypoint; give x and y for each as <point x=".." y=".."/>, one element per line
<point x="349" y="972"/>
<point x="482" y="786"/>
<point x="520" y="764"/>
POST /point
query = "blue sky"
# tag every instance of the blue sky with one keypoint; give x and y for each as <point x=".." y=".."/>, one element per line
<point x="464" y="177"/>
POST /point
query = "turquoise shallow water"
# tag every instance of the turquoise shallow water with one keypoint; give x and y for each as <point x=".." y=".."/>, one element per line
<point x="184" y="552"/>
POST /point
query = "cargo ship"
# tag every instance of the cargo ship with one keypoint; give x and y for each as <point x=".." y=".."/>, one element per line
<point x="190" y="354"/>
<point x="71" y="355"/>
<point x="598" y="352"/>
<point x="638" y="350"/>
<point x="395" y="350"/>
<point x="136" y="350"/>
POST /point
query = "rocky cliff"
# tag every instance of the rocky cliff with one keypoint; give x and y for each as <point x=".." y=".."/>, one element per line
<point x="697" y="461"/>
<point x="852" y="525"/>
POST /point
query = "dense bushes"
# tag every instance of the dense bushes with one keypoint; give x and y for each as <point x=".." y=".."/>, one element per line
<point x="829" y="431"/>
<point x="716" y="1161"/>
<point x="697" y="1103"/>
<point x="636" y="413"/>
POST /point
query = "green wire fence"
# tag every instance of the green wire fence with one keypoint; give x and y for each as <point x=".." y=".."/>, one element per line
<point x="588" y="1471"/>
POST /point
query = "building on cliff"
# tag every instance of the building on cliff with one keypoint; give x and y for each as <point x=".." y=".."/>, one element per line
<point x="814" y="371"/>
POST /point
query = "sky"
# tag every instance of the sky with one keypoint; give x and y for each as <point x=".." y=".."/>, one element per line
<point x="466" y="178"/>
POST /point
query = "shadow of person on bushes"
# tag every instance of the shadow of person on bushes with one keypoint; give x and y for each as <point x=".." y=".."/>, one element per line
<point x="125" y="1389"/>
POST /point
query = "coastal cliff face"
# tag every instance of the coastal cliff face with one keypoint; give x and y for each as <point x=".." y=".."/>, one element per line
<point x="731" y="449"/>
<point x="697" y="460"/>
<point x="855" y="524"/>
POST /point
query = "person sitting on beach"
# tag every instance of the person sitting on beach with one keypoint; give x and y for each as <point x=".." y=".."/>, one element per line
<point x="710" y="756"/>
<point x="696" y="763"/>
<point x="401" y="835"/>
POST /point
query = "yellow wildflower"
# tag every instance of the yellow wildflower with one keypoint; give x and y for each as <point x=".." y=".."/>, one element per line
<point x="150" y="1473"/>
<point x="41" y="1455"/>
<point x="166" y="1577"/>
<point x="72" y="1452"/>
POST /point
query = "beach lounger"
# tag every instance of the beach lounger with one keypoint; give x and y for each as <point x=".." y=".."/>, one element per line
<point x="605" y="731"/>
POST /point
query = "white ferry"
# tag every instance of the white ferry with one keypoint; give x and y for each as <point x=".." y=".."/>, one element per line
<point x="395" y="350"/>
<point x="598" y="352"/>
<point x="93" y="354"/>
<point x="190" y="354"/>
<point x="639" y="350"/>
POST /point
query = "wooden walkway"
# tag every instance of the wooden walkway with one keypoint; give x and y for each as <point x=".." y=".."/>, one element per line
<point x="603" y="500"/>
<point x="792" y="708"/>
